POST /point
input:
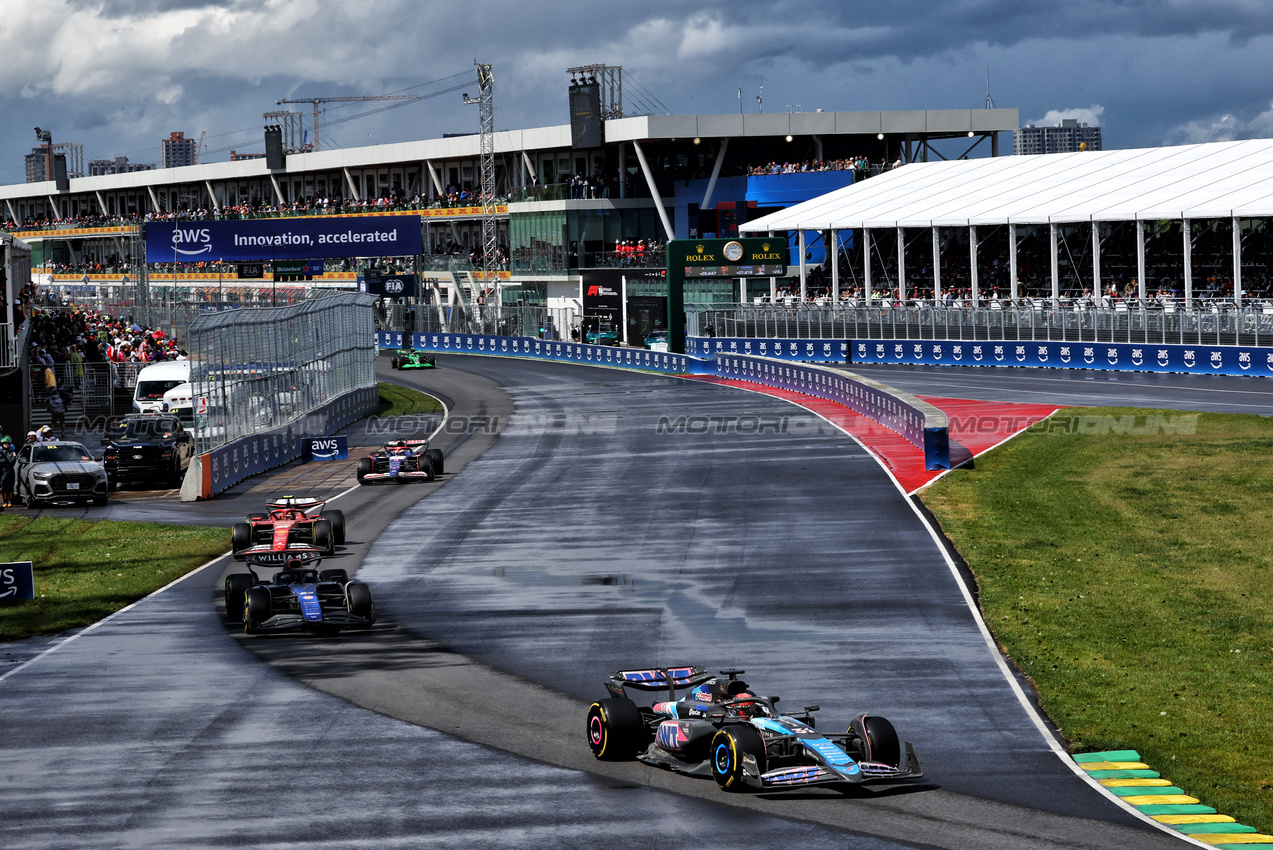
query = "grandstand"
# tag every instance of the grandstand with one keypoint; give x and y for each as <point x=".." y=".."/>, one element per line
<point x="568" y="218"/>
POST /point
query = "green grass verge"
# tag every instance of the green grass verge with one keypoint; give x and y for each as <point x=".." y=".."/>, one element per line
<point x="1123" y="571"/>
<point x="400" y="401"/>
<point x="87" y="570"/>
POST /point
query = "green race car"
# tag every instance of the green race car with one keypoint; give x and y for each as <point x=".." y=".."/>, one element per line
<point x="410" y="359"/>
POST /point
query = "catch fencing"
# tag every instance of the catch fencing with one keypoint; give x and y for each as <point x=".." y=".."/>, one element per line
<point x="1215" y="323"/>
<point x="278" y="372"/>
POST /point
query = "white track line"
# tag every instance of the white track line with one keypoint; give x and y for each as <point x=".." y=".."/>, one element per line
<point x="446" y="415"/>
<point x="1026" y="704"/>
<point x="110" y="617"/>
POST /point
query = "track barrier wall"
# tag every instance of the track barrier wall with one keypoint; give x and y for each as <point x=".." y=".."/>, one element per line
<point x="1109" y="356"/>
<point x="918" y="422"/>
<point x="1120" y="357"/>
<point x="227" y="465"/>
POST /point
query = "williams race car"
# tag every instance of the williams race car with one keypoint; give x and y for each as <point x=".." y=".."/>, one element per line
<point x="401" y="460"/>
<point x="724" y="730"/>
<point x="409" y="358"/>
<point x="300" y="596"/>
<point x="289" y="526"/>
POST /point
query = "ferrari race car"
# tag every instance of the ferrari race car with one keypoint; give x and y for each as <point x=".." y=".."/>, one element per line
<point x="290" y="525"/>
<point x="409" y="358"/>
<point x="724" y="730"/>
<point x="401" y="460"/>
<point x="299" y="596"/>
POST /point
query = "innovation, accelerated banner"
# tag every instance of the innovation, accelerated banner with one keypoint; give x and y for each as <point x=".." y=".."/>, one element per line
<point x="315" y="237"/>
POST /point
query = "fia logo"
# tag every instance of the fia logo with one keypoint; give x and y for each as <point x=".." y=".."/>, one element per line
<point x="393" y="285"/>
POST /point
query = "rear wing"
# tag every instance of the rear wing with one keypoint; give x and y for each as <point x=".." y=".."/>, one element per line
<point x="658" y="679"/>
<point x="278" y="560"/>
<point x="304" y="503"/>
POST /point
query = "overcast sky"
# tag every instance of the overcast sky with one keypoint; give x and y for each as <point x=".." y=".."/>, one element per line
<point x="119" y="75"/>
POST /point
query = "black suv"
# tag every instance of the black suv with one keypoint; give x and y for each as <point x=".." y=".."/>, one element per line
<point x="146" y="447"/>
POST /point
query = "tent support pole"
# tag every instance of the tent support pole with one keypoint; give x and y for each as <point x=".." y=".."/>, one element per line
<point x="972" y="261"/>
<point x="835" y="266"/>
<point x="1012" y="260"/>
<point x="1096" y="261"/>
<point x="1143" y="287"/>
<point x="1237" y="261"/>
<point x="1056" y="262"/>
<point x="804" y="286"/>
<point x="901" y="263"/>
<point x="936" y="265"/>
<point x="866" y="257"/>
<point x="1186" y="232"/>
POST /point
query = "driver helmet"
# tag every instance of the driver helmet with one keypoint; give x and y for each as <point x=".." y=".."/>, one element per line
<point x="746" y="704"/>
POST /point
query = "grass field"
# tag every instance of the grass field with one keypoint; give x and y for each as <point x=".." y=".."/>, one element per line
<point x="1121" y="565"/>
<point x="87" y="570"/>
<point x="400" y="401"/>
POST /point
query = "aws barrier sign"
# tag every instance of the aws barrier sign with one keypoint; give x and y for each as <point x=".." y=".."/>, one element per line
<point x="17" y="582"/>
<point x="282" y="239"/>
<point x="1111" y="356"/>
<point x="804" y="350"/>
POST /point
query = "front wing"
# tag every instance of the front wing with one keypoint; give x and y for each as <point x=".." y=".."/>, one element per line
<point x="290" y="622"/>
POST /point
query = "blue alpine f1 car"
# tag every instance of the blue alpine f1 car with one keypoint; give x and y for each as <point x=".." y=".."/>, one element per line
<point x="299" y="596"/>
<point x="720" y="728"/>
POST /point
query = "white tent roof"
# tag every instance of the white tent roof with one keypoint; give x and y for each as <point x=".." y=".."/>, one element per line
<point x="1216" y="180"/>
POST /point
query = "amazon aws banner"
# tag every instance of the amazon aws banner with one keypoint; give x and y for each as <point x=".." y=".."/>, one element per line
<point x="318" y="237"/>
<point x="1115" y="356"/>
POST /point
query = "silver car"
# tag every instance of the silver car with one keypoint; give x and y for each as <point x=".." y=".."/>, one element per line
<point x="58" y="472"/>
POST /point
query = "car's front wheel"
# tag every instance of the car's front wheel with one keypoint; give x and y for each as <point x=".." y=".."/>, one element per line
<point x="256" y="609"/>
<point x="729" y="746"/>
<point x="873" y="738"/>
<point x="616" y="731"/>
<point x="364" y="469"/>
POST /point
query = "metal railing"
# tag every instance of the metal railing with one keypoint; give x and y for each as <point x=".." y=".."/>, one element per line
<point x="1200" y="323"/>
<point x="255" y="370"/>
<point x="535" y="322"/>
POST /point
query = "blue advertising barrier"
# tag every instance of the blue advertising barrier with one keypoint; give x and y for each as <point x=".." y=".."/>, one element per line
<point x="919" y="422"/>
<point x="521" y="346"/>
<point x="1111" y="356"/>
<point x="255" y="453"/>
<point x="802" y="350"/>
<point x="17" y="582"/>
<point x="283" y="239"/>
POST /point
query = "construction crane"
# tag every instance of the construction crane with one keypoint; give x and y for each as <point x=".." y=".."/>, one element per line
<point x="316" y="101"/>
<point x="199" y="147"/>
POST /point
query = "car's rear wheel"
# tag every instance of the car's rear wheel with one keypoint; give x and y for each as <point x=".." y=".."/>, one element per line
<point x="236" y="585"/>
<point x="256" y="609"/>
<point x="337" y="519"/>
<point x="616" y="731"/>
<point x="324" y="538"/>
<point x="364" y="469"/>
<point x="729" y="746"/>
<point x="240" y="537"/>
<point x="437" y="457"/>
<point x="873" y="738"/>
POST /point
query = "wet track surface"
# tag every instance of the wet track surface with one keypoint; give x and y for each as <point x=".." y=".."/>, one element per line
<point x="1082" y="387"/>
<point x="580" y="541"/>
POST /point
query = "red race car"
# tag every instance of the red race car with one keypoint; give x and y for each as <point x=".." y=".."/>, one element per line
<point x="291" y="525"/>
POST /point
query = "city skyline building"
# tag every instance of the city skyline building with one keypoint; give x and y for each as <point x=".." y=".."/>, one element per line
<point x="177" y="151"/>
<point x="1067" y="137"/>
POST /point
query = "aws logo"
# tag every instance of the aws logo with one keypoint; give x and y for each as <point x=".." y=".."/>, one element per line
<point x="191" y="237"/>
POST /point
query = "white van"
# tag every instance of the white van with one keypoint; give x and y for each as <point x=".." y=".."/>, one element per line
<point x="154" y="382"/>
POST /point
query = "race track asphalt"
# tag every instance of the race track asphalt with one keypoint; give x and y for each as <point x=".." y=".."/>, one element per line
<point x="156" y="729"/>
<point x="579" y="541"/>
